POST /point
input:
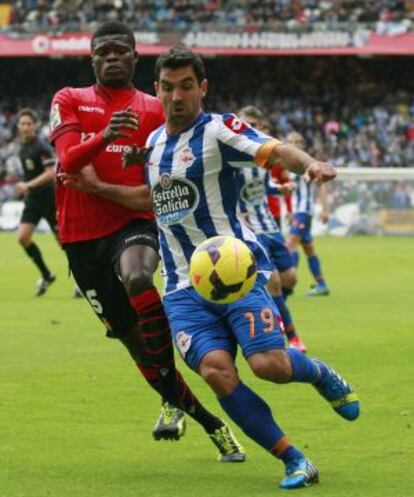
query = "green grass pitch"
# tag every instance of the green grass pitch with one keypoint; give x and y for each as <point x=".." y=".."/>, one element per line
<point x="76" y="418"/>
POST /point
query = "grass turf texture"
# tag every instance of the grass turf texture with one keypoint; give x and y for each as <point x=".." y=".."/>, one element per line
<point x="76" y="418"/>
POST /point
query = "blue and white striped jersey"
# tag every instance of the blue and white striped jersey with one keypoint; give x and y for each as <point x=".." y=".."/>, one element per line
<point x="194" y="186"/>
<point x="254" y="206"/>
<point x="303" y="197"/>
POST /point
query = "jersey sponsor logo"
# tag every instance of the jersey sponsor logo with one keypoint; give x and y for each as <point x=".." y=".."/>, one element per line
<point x="183" y="342"/>
<point x="253" y="192"/>
<point x="88" y="108"/>
<point x="55" y="118"/>
<point x="186" y="157"/>
<point x="118" y="149"/>
<point x="174" y="199"/>
<point x="236" y="124"/>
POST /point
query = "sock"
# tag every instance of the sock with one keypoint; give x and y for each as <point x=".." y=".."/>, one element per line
<point x="34" y="253"/>
<point x="156" y="338"/>
<point x="254" y="417"/>
<point x="187" y="401"/>
<point x="286" y="292"/>
<point x="315" y="269"/>
<point x="290" y="331"/>
<point x="285" y="451"/>
<point x="295" y="257"/>
<point x="304" y="369"/>
<point x="159" y="368"/>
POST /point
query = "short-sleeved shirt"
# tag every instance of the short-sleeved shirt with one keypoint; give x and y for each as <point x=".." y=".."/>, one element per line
<point x="88" y="111"/>
<point x="35" y="156"/>
<point x="303" y="196"/>
<point x="253" y="200"/>
<point x="194" y="185"/>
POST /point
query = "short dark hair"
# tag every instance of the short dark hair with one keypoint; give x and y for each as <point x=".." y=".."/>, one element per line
<point x="180" y="56"/>
<point x="252" y="111"/>
<point x="114" y="28"/>
<point x="26" y="111"/>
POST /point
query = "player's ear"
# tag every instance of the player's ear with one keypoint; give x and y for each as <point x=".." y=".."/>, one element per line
<point x="93" y="61"/>
<point x="157" y="87"/>
<point x="136" y="56"/>
<point x="204" y="87"/>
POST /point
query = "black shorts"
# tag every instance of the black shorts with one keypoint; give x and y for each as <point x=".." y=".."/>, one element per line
<point x="38" y="207"/>
<point x="93" y="264"/>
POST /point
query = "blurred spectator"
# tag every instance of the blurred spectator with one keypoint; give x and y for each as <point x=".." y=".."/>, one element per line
<point x="388" y="16"/>
<point x="357" y="113"/>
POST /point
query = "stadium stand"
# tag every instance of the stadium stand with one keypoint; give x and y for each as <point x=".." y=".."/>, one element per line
<point x="356" y="111"/>
<point x="248" y="15"/>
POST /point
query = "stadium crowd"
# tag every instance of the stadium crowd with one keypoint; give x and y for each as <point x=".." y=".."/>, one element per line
<point x="245" y="15"/>
<point x="352" y="112"/>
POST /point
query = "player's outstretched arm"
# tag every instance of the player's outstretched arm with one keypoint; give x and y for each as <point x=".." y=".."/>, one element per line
<point x="299" y="162"/>
<point x="135" y="198"/>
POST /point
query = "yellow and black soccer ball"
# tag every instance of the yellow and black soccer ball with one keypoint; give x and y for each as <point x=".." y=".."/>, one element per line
<point x="223" y="269"/>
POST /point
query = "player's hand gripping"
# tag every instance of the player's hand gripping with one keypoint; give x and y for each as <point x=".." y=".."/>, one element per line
<point x="320" y="172"/>
<point x="119" y="123"/>
<point x="86" y="181"/>
<point x="134" y="156"/>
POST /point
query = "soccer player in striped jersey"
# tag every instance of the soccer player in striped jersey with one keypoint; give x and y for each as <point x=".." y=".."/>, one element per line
<point x="301" y="226"/>
<point x="255" y="183"/>
<point x="192" y="170"/>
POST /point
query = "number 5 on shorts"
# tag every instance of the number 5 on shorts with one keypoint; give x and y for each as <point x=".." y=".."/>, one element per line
<point x="94" y="302"/>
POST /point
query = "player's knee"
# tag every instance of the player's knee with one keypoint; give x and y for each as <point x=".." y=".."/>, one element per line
<point x="289" y="278"/>
<point x="222" y="378"/>
<point x="23" y="239"/>
<point x="137" y="281"/>
<point x="274" y="284"/>
<point x="273" y="366"/>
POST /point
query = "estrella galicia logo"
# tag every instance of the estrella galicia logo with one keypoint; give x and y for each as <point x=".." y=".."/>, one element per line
<point x="174" y="199"/>
<point x="253" y="192"/>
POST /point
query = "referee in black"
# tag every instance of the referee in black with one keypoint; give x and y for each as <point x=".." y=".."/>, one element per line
<point x="38" y="189"/>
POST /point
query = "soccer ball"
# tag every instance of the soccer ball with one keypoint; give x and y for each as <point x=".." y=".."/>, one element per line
<point x="223" y="269"/>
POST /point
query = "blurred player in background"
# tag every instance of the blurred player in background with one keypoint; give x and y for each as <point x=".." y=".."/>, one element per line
<point x="254" y="206"/>
<point x="280" y="176"/>
<point x="112" y="250"/>
<point x="38" y="190"/>
<point x="301" y="225"/>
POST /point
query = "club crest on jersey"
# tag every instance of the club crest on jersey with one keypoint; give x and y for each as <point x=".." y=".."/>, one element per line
<point x="253" y="192"/>
<point x="183" y="342"/>
<point x="186" y="157"/>
<point x="174" y="199"/>
<point x="54" y="119"/>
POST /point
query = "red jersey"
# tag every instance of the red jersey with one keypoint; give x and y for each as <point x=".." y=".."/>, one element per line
<point x="278" y="173"/>
<point x="88" y="110"/>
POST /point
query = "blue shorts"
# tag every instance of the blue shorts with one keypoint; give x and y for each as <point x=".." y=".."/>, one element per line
<point x="277" y="250"/>
<point x="199" y="326"/>
<point x="301" y="226"/>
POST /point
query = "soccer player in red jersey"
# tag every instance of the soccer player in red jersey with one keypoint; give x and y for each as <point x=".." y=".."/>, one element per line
<point x="113" y="251"/>
<point x="281" y="177"/>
